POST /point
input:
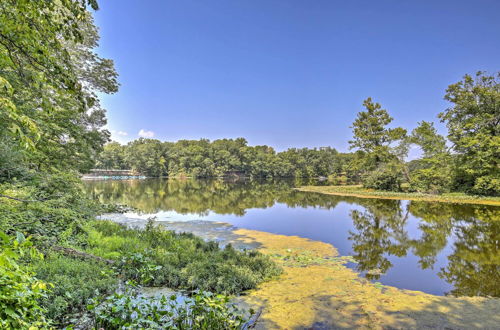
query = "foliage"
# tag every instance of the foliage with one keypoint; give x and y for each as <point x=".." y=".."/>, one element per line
<point x="381" y="163"/>
<point x="55" y="210"/>
<point x="162" y="258"/>
<point x="49" y="76"/>
<point x="387" y="177"/>
<point x="52" y="128"/>
<point x="371" y="134"/>
<point x="473" y="123"/>
<point x="433" y="172"/>
<point x="224" y="157"/>
<point x="75" y="282"/>
<point x="20" y="291"/>
<point x="201" y="311"/>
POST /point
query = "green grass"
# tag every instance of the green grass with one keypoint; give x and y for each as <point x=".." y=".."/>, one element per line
<point x="359" y="191"/>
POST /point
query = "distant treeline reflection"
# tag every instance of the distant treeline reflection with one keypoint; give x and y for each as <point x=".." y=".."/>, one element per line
<point x="380" y="228"/>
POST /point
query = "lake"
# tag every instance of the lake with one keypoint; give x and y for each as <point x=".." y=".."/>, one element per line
<point x="438" y="248"/>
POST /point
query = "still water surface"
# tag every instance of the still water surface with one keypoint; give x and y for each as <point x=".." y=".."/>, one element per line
<point x="438" y="248"/>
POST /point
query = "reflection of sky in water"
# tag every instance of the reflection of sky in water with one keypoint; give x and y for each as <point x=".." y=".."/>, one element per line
<point x="331" y="226"/>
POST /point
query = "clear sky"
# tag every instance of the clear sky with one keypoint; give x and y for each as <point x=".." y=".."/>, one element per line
<point x="287" y="73"/>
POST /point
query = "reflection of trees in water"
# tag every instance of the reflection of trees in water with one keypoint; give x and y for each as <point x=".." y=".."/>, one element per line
<point x="380" y="232"/>
<point x="381" y="227"/>
<point x="435" y="227"/>
<point x="202" y="196"/>
<point x="473" y="267"/>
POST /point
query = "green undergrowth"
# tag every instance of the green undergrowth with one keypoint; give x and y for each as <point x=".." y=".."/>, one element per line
<point x="74" y="282"/>
<point x="156" y="257"/>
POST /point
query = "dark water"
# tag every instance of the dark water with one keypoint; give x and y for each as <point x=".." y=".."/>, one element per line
<point x="439" y="248"/>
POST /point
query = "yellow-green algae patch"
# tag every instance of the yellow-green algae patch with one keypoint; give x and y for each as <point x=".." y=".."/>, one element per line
<point x="317" y="291"/>
<point x="360" y="192"/>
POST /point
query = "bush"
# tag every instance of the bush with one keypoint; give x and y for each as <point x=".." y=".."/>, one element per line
<point x="430" y="180"/>
<point x="20" y="291"/>
<point x="75" y="282"/>
<point x="163" y="258"/>
<point x="487" y="185"/>
<point x="387" y="177"/>
<point x="52" y="217"/>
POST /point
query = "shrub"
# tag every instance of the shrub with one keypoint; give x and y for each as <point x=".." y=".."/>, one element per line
<point x="20" y="291"/>
<point x="430" y="180"/>
<point x="75" y="282"/>
<point x="386" y="177"/>
<point x="163" y="258"/>
<point x="487" y="185"/>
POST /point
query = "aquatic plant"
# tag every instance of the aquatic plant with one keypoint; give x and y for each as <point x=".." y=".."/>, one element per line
<point x="129" y="310"/>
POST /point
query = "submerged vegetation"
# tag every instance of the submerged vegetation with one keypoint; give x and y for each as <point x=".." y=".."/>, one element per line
<point x="330" y="295"/>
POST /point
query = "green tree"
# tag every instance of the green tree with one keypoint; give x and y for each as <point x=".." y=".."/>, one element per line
<point x="112" y="157"/>
<point x="473" y="122"/>
<point x="433" y="171"/>
<point x="49" y="76"/>
<point x="146" y="156"/>
<point x="382" y="165"/>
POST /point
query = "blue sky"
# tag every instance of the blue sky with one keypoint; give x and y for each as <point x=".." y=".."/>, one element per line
<point x="287" y="73"/>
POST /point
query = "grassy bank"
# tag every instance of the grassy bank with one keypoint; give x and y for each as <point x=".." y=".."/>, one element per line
<point x="359" y="191"/>
<point x="151" y="257"/>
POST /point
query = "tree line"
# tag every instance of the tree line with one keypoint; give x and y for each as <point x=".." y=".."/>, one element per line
<point x="467" y="160"/>
<point x="204" y="158"/>
<point x="464" y="161"/>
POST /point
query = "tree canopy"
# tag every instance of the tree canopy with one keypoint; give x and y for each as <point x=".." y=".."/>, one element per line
<point x="49" y="76"/>
<point x="473" y="122"/>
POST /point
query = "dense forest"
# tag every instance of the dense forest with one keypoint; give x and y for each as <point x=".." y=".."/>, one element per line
<point x="467" y="160"/>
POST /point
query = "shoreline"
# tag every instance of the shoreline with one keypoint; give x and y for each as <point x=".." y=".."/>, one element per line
<point x="316" y="290"/>
<point x="358" y="191"/>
